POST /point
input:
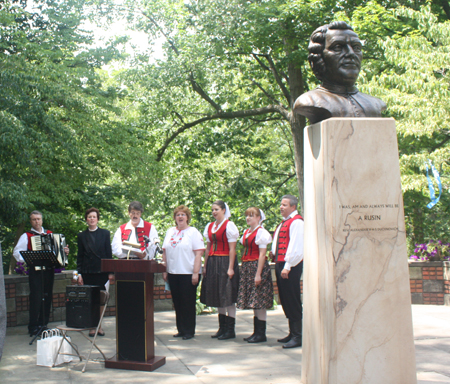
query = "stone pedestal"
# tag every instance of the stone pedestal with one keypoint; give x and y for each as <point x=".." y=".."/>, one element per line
<point x="357" y="325"/>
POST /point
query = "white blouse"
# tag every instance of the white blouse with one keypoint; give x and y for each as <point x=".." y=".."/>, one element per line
<point x="262" y="238"/>
<point x="231" y="231"/>
<point x="180" y="247"/>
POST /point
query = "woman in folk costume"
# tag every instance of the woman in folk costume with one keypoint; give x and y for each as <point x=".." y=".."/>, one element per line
<point x="255" y="285"/>
<point x="221" y="272"/>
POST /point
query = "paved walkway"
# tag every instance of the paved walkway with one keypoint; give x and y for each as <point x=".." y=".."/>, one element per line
<point x="205" y="360"/>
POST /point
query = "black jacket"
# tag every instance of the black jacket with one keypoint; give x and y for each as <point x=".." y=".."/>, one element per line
<point x="90" y="254"/>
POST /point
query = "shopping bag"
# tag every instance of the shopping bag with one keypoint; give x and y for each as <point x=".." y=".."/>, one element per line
<point x="47" y="347"/>
<point x="64" y="351"/>
<point x="67" y="350"/>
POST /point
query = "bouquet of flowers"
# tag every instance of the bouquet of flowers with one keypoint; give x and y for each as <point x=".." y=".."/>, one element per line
<point x="21" y="268"/>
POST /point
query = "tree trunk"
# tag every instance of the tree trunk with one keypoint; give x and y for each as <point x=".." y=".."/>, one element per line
<point x="13" y="261"/>
<point x="297" y="123"/>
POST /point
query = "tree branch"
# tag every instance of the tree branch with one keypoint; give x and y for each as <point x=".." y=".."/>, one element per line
<point x="256" y="122"/>
<point x="437" y="146"/>
<point x="286" y="93"/>
<point x="203" y="94"/>
<point x="446" y="8"/>
<point x="222" y="115"/>
<point x="264" y="66"/>
<point x="269" y="96"/>
<point x="153" y="21"/>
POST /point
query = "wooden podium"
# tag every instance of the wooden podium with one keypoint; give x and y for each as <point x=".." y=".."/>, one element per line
<point x="135" y="334"/>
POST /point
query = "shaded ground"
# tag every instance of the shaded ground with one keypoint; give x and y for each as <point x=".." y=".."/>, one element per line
<point x="205" y="360"/>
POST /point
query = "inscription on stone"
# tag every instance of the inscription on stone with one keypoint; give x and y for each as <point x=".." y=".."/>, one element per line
<point x="379" y="215"/>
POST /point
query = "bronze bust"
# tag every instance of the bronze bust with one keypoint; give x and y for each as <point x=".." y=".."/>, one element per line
<point x="335" y="54"/>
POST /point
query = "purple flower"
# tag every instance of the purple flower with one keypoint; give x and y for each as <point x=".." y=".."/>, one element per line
<point x="21" y="268"/>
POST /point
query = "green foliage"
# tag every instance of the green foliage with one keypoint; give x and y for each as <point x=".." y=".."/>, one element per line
<point x="59" y="144"/>
<point x="210" y="118"/>
<point x="413" y="80"/>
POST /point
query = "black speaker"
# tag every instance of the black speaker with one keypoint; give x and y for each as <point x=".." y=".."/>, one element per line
<point x="82" y="306"/>
<point x="131" y="318"/>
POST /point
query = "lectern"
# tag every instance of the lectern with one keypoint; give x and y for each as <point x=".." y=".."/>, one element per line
<point x="135" y="333"/>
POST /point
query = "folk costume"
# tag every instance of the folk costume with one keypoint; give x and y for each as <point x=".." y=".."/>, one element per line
<point x="287" y="248"/>
<point x="259" y="298"/>
<point x="179" y="247"/>
<point x="127" y="232"/>
<point x="218" y="290"/>
<point x="250" y="296"/>
<point x="35" y="277"/>
<point x="93" y="246"/>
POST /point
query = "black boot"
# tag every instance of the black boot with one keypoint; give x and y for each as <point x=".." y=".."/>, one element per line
<point x="229" y="333"/>
<point x="285" y="339"/>
<point x="254" y="330"/>
<point x="222" y="326"/>
<point x="296" y="333"/>
<point x="260" y="334"/>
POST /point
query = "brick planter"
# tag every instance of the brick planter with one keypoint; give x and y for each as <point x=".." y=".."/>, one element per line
<point x="430" y="282"/>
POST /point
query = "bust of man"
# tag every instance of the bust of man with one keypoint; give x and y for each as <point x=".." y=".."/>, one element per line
<point x="335" y="54"/>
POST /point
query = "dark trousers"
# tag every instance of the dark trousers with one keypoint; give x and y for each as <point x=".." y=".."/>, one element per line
<point x="37" y="318"/>
<point x="184" y="296"/>
<point x="289" y="291"/>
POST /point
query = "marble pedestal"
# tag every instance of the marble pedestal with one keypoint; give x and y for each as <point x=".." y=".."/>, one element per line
<point x="357" y="325"/>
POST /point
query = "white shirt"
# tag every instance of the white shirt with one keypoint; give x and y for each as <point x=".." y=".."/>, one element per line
<point x="294" y="252"/>
<point x="262" y="237"/>
<point x="232" y="232"/>
<point x="180" y="247"/>
<point x="22" y="244"/>
<point x="116" y="244"/>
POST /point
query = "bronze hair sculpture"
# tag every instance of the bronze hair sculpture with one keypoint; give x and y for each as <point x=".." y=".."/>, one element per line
<point x="335" y="54"/>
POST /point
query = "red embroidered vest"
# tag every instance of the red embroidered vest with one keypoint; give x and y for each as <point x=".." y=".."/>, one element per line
<point x="283" y="238"/>
<point x="140" y="232"/>
<point x="251" y="249"/>
<point x="218" y="240"/>
<point x="30" y="235"/>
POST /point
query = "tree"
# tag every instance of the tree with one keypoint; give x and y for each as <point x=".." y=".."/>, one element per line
<point x="412" y="77"/>
<point x="56" y="119"/>
<point x="225" y="61"/>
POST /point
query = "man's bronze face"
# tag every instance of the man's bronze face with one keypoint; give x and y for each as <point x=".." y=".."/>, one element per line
<point x="342" y="56"/>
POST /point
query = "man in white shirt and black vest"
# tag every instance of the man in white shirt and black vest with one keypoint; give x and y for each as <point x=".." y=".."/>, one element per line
<point x="135" y="231"/>
<point x="287" y="252"/>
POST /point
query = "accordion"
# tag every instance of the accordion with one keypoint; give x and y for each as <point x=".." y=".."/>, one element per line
<point x="54" y="242"/>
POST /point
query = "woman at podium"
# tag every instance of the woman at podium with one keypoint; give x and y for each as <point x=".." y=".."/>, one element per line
<point x="221" y="271"/>
<point x="183" y="248"/>
<point x="94" y="244"/>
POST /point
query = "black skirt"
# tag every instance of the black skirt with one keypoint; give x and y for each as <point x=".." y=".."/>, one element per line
<point x="95" y="279"/>
<point x="218" y="290"/>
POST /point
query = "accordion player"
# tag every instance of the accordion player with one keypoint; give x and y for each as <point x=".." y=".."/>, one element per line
<point x="54" y="242"/>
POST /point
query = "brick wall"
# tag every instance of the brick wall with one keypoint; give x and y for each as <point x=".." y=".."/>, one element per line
<point x="17" y="291"/>
<point x="429" y="282"/>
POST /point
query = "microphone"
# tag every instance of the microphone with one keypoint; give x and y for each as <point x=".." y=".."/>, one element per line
<point x="156" y="242"/>
<point x="146" y="239"/>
